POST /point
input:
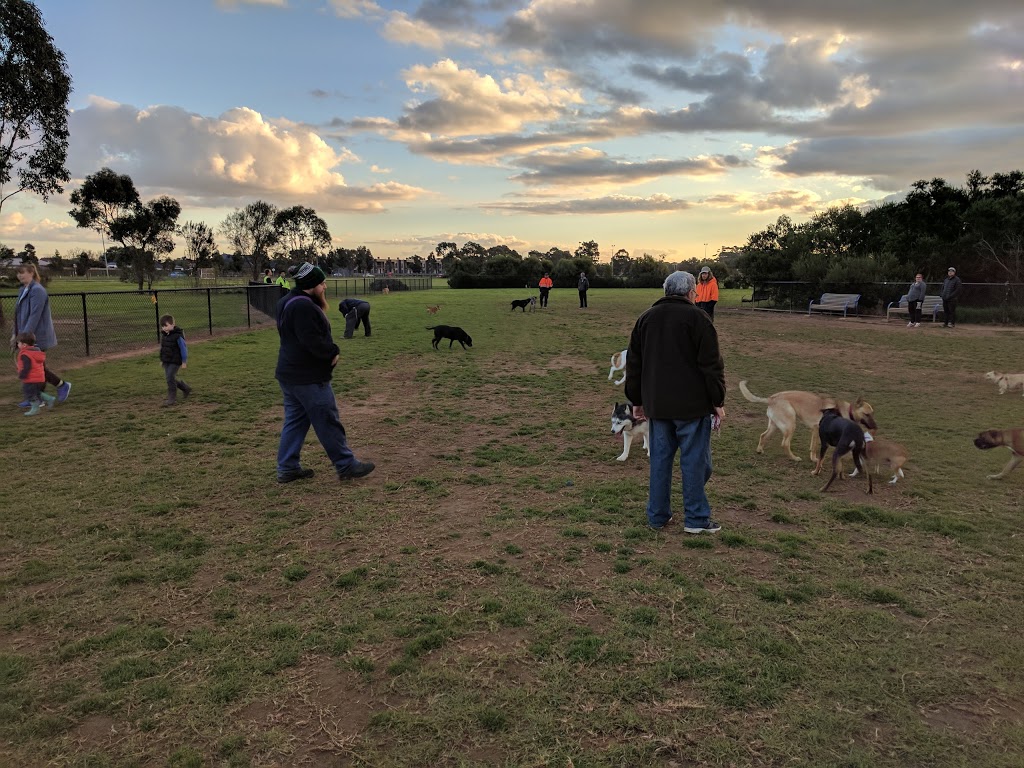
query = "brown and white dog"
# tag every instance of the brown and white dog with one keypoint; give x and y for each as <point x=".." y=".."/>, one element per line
<point x="618" y="364"/>
<point x="785" y="409"/>
<point x="882" y="456"/>
<point x="1006" y="381"/>
<point x="1012" y="439"/>
<point x="434" y="309"/>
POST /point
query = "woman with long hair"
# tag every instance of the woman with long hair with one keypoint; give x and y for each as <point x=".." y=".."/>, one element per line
<point x="32" y="315"/>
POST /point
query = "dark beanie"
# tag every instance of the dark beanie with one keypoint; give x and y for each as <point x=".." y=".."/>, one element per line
<point x="308" y="276"/>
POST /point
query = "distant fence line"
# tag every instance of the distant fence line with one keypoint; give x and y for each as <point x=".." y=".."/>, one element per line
<point x="105" y="322"/>
<point x="1000" y="303"/>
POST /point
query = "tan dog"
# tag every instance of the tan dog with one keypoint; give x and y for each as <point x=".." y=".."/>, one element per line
<point x="618" y="364"/>
<point x="883" y="456"/>
<point x="785" y="409"/>
<point x="1013" y="439"/>
<point x="1006" y="381"/>
<point x="434" y="309"/>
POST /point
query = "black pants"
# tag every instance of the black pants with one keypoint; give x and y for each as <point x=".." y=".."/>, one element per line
<point x="949" y="310"/>
<point x="544" y="296"/>
<point x="914" y="308"/>
<point x="709" y="307"/>
<point x="583" y="299"/>
<point x="354" y="318"/>
<point x="51" y="377"/>
<point x="174" y="383"/>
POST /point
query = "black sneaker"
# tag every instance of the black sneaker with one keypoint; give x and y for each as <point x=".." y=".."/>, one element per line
<point x="357" y="470"/>
<point x="298" y="474"/>
<point x="670" y="522"/>
<point x="710" y="527"/>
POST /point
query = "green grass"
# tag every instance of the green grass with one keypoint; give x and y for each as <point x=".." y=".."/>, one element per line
<point x="491" y="594"/>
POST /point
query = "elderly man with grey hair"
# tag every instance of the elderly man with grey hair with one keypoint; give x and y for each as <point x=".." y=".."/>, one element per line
<point x="675" y="377"/>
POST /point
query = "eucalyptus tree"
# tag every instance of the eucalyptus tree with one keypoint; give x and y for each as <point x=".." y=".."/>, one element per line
<point x="34" y="91"/>
<point x="252" y="233"/>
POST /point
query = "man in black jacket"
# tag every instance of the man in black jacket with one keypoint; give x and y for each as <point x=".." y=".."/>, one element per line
<point x="355" y="311"/>
<point x="675" y="377"/>
<point x="950" y="293"/>
<point x="305" y="363"/>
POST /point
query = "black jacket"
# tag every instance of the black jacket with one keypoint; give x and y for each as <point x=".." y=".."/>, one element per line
<point x="307" y="347"/>
<point x="951" y="287"/>
<point x="170" y="350"/>
<point x="674" y="368"/>
<point x="347" y="305"/>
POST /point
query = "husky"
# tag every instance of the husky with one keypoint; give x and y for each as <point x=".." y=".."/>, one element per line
<point x="623" y="423"/>
<point x="618" y="364"/>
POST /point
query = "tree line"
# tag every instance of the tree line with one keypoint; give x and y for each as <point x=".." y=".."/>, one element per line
<point x="977" y="228"/>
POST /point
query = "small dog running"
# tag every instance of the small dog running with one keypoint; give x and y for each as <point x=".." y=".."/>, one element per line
<point x="624" y="424"/>
<point x="434" y="309"/>
<point x="524" y="303"/>
<point x="846" y="437"/>
<point x="451" y="332"/>
<point x="1006" y="381"/>
<point x="618" y="364"/>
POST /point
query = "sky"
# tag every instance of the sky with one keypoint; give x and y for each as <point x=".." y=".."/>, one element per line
<point x="668" y="127"/>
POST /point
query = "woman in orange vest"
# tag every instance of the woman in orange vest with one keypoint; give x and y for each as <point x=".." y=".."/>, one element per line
<point x="707" y="292"/>
<point x="545" y="286"/>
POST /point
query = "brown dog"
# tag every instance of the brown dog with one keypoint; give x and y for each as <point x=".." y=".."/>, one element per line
<point x="786" y="408"/>
<point x="1013" y="439"/>
<point x="434" y="309"/>
<point x="883" y="456"/>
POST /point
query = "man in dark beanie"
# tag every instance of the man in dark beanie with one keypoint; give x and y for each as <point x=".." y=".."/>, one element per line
<point x="305" y="363"/>
<point x="356" y="311"/>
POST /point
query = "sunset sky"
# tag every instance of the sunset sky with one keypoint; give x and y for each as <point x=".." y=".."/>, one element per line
<point x="657" y="126"/>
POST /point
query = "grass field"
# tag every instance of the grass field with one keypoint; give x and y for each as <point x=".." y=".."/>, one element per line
<point x="490" y="595"/>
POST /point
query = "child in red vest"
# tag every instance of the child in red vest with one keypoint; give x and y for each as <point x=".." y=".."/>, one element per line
<point x="31" y="364"/>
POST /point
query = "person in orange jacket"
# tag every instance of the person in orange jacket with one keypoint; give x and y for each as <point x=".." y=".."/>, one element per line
<point x="545" y="286"/>
<point x="707" y="292"/>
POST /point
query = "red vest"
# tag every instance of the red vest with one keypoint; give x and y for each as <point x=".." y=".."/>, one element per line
<point x="36" y="365"/>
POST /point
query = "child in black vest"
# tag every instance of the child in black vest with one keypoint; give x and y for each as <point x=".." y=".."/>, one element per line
<point x="173" y="356"/>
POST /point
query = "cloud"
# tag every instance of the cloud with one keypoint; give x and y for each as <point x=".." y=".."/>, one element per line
<point x="239" y="154"/>
<point x="232" y="5"/>
<point x="355" y="9"/>
<point x="594" y="205"/>
<point x="16" y="228"/>
<point x="587" y="167"/>
<point x="782" y="200"/>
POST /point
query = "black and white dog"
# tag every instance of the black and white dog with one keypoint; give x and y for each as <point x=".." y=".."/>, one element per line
<point x="845" y="436"/>
<point x="623" y="423"/>
<point x="524" y="303"/>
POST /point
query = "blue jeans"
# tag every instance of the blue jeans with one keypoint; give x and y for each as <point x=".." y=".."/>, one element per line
<point x="693" y="441"/>
<point x="305" y="405"/>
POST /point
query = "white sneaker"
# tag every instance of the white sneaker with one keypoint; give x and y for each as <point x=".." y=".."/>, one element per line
<point x="917" y="325"/>
<point x="910" y="325"/>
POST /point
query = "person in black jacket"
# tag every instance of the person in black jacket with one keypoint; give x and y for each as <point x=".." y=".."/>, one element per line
<point x="173" y="356"/>
<point x="951" y="288"/>
<point x="675" y="377"/>
<point x="305" y="364"/>
<point x="355" y="311"/>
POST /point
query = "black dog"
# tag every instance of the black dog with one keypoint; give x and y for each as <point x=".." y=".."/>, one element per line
<point x="450" y="332"/>
<point x="846" y="437"/>
<point x="524" y="303"/>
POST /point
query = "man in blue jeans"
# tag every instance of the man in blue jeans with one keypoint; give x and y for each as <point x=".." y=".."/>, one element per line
<point x="675" y="377"/>
<point x="305" y="362"/>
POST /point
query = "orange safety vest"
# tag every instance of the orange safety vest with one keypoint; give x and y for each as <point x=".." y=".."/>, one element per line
<point x="545" y="282"/>
<point x="36" y="365"/>
<point x="707" y="290"/>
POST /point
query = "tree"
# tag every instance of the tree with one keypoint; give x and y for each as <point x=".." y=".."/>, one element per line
<point x="588" y="251"/>
<point x="199" y="246"/>
<point x="252" y="233"/>
<point x="104" y="197"/>
<point x="302" y="234"/>
<point x="145" y="233"/>
<point x="620" y="262"/>
<point x="28" y="254"/>
<point x="34" y="91"/>
<point x="415" y="264"/>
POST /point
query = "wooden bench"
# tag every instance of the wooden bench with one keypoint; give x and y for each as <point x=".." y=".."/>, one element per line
<point x="931" y="305"/>
<point x="834" y="302"/>
<point x="756" y="297"/>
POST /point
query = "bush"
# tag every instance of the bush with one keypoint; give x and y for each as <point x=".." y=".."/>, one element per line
<point x="391" y="283"/>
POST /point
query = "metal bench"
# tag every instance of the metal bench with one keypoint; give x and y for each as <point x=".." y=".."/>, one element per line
<point x="834" y="302"/>
<point x="931" y="305"/>
<point x="757" y="296"/>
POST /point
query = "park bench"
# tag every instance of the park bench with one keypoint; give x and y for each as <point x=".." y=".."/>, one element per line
<point x="931" y="305"/>
<point x="834" y="302"/>
<point x="758" y="295"/>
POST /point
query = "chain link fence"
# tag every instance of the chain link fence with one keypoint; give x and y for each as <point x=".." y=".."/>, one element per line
<point x="89" y="324"/>
<point x="984" y="303"/>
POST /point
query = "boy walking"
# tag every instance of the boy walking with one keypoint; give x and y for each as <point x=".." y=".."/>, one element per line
<point x="32" y="373"/>
<point x="173" y="356"/>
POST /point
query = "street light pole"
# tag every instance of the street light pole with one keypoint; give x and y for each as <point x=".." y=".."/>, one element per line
<point x="705" y="251"/>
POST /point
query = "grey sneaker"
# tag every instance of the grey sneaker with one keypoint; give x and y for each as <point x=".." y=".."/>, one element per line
<point x="357" y="470"/>
<point x="710" y="527"/>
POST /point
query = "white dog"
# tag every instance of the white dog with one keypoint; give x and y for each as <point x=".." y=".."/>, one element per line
<point x="624" y="423"/>
<point x="1006" y="381"/>
<point x="618" y="364"/>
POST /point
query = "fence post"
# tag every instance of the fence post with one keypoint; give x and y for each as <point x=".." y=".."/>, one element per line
<point x="1006" y="304"/>
<point x="209" y="310"/>
<point x="85" y="323"/>
<point x="248" y="307"/>
<point x="156" y="312"/>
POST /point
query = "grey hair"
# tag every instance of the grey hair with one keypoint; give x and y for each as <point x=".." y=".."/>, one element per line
<point x="679" y="284"/>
